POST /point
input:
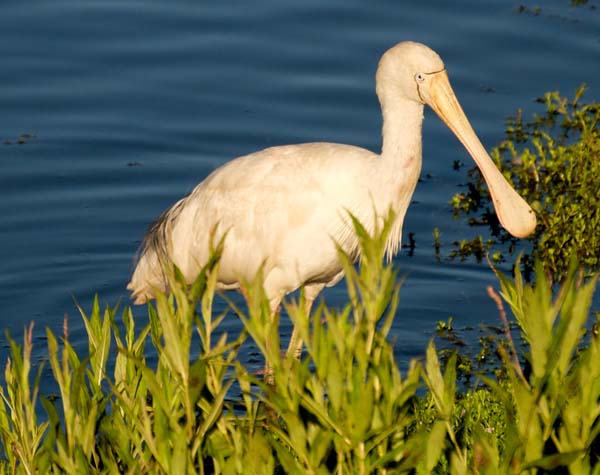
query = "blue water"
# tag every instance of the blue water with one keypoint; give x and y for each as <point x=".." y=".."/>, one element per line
<point x="131" y="103"/>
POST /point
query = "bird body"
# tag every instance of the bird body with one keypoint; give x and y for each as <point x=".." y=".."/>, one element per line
<point x="285" y="208"/>
<point x="290" y="226"/>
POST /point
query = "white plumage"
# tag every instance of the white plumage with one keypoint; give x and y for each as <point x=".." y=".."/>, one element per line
<point x="285" y="207"/>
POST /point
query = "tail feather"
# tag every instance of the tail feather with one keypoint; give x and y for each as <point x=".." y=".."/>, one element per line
<point x="154" y="257"/>
<point x="147" y="277"/>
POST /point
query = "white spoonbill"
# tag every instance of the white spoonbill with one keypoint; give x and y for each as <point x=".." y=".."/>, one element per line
<point x="284" y="207"/>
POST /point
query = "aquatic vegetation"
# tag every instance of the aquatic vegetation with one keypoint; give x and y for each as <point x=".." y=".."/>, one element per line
<point x="175" y="397"/>
<point x="554" y="163"/>
<point x="24" y="138"/>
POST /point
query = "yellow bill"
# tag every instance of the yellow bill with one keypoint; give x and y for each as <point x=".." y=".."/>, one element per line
<point x="515" y="215"/>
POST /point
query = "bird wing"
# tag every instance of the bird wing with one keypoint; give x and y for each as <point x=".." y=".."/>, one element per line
<point x="282" y="208"/>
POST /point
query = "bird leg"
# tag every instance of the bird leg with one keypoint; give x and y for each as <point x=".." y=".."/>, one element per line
<point x="275" y="305"/>
<point x="296" y="343"/>
<point x="295" y="346"/>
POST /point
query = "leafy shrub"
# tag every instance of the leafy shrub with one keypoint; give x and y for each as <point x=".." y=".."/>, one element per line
<point x="345" y="407"/>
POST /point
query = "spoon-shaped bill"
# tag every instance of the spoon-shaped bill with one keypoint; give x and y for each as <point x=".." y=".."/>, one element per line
<point x="513" y="212"/>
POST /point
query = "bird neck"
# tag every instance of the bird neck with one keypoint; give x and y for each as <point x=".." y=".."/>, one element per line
<point x="402" y="126"/>
<point x="400" y="164"/>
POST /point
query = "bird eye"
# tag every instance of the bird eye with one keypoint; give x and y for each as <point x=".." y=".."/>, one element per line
<point x="419" y="77"/>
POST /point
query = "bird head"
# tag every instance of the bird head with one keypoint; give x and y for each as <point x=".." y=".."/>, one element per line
<point x="417" y="73"/>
